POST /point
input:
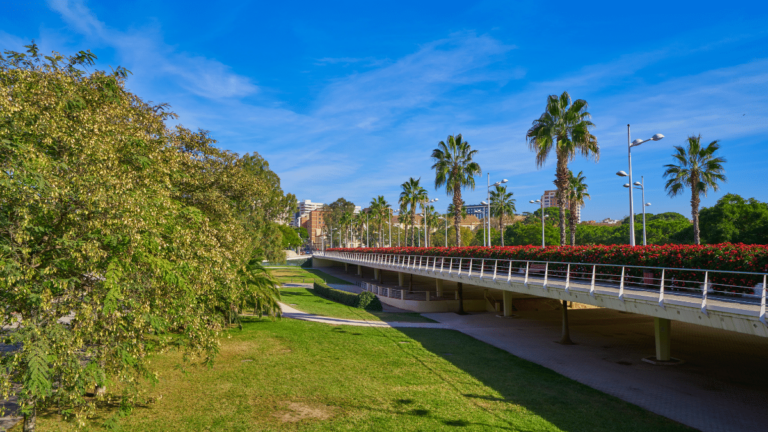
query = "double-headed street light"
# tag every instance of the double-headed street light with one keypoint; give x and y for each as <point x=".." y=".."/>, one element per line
<point x="634" y="143"/>
<point x="542" y="220"/>
<point x="486" y="211"/>
<point x="641" y="185"/>
<point x="489" y="204"/>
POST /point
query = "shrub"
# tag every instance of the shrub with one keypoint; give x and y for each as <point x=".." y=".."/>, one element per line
<point x="368" y="301"/>
<point x="364" y="300"/>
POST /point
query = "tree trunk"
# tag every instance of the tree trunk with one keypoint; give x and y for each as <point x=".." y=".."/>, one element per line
<point x="695" y="213"/>
<point x="572" y="224"/>
<point x="566" y="338"/>
<point x="501" y="228"/>
<point x="562" y="184"/>
<point x="29" y="420"/>
<point x="461" y="298"/>
<point x="457" y="213"/>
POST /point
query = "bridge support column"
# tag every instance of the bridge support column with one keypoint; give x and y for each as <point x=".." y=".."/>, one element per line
<point x="400" y="279"/>
<point x="662" y="330"/>
<point x="376" y="273"/>
<point x="507" y="303"/>
<point x="439" y="287"/>
<point x="346" y="267"/>
<point x="360" y="270"/>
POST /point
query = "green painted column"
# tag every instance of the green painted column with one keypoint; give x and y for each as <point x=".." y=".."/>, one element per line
<point x="376" y="273"/>
<point x="507" y="303"/>
<point x="439" y="286"/>
<point x="400" y="279"/>
<point x="359" y="270"/>
<point x="662" y="329"/>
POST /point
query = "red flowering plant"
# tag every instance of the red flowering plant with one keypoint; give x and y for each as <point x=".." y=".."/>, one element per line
<point x="718" y="257"/>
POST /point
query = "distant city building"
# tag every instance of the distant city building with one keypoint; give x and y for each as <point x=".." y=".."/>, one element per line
<point x="549" y="199"/>
<point x="476" y="210"/>
<point x="610" y="221"/>
<point x="304" y="209"/>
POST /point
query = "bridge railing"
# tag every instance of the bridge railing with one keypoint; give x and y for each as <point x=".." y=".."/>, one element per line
<point x="612" y="279"/>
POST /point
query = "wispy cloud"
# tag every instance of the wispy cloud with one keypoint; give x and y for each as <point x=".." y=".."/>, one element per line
<point x="151" y="58"/>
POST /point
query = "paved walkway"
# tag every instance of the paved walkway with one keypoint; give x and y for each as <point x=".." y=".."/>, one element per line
<point x="289" y="312"/>
<point x="722" y="386"/>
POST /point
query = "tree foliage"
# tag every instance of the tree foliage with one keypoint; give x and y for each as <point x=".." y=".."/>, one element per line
<point x="119" y="236"/>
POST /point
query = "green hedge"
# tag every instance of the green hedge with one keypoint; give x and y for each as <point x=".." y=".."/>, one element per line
<point x="364" y="300"/>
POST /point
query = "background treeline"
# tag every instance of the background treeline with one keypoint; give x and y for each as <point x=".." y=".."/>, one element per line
<point x="120" y="236"/>
<point x="732" y="220"/>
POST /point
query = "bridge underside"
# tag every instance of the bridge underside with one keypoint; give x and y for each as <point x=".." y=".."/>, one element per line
<point x="512" y="293"/>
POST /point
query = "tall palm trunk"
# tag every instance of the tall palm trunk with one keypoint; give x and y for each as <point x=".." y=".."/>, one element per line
<point x="562" y="184"/>
<point x="457" y="213"/>
<point x="695" y="201"/>
<point x="501" y="228"/>
<point x="572" y="224"/>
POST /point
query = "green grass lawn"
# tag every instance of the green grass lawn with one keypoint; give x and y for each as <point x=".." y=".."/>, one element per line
<point x="298" y="274"/>
<point x="306" y="300"/>
<point x="303" y="376"/>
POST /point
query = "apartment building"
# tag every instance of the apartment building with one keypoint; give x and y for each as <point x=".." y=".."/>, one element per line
<point x="549" y="199"/>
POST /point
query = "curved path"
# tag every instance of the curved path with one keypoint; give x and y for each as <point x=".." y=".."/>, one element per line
<point x="289" y="312"/>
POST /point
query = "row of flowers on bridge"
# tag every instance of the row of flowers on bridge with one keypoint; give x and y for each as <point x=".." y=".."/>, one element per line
<point x="726" y="256"/>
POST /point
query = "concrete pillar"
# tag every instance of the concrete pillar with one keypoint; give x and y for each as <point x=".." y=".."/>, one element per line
<point x="376" y="273"/>
<point x="507" y="303"/>
<point x="427" y="295"/>
<point x="400" y="279"/>
<point x="662" y="328"/>
<point x="346" y="267"/>
<point x="439" y="287"/>
<point x="359" y="270"/>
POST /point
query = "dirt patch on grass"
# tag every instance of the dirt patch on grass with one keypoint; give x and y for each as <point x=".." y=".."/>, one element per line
<point x="298" y="411"/>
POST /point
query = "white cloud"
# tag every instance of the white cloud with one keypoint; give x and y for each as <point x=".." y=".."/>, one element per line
<point x="151" y="58"/>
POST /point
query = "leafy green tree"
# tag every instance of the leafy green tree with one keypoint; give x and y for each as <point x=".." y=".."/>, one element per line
<point x="120" y="237"/>
<point x="696" y="168"/>
<point x="502" y="204"/>
<point x="290" y="238"/>
<point x="519" y="234"/>
<point x="564" y="127"/>
<point x="380" y="209"/>
<point x="577" y="191"/>
<point x="455" y="169"/>
<point x="736" y="220"/>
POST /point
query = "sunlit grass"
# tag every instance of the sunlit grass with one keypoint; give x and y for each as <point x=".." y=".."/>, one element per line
<point x="303" y="275"/>
<point x="306" y="300"/>
<point x="303" y="376"/>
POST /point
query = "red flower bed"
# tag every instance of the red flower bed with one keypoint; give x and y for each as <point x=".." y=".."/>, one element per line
<point x="726" y="256"/>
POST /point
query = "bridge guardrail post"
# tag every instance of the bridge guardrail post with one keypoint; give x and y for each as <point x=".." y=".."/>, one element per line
<point x="592" y="286"/>
<point x="621" y="286"/>
<point x="495" y="265"/>
<point x="527" y="265"/>
<point x="546" y="275"/>
<point x="509" y="274"/>
<point x="661" y="291"/>
<point x="704" y="290"/>
<point x="762" y="300"/>
<point x="568" y="278"/>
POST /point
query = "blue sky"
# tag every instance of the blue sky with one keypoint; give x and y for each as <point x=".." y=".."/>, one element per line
<point x="349" y="98"/>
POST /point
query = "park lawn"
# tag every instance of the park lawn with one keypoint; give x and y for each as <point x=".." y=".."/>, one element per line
<point x="305" y="376"/>
<point x="306" y="300"/>
<point x="304" y="275"/>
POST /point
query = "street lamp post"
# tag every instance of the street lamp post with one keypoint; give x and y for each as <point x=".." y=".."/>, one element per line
<point x="486" y="216"/>
<point x="542" y="221"/>
<point x="390" y="227"/>
<point x="634" y="143"/>
<point x="367" y="236"/>
<point x="489" y="204"/>
<point x="641" y="185"/>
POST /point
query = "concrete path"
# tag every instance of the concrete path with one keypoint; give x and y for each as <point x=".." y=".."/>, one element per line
<point x="722" y="386"/>
<point x="289" y="312"/>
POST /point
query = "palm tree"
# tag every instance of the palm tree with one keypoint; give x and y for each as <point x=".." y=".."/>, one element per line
<point x="502" y="204"/>
<point x="455" y="169"/>
<point x="563" y="126"/>
<point x="577" y="191"/>
<point x="463" y="209"/>
<point x="696" y="167"/>
<point x="345" y="221"/>
<point x="380" y="210"/>
<point x="433" y="220"/>
<point x="422" y="198"/>
<point x="412" y="195"/>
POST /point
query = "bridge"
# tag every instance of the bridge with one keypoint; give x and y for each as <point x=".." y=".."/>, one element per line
<point x="696" y="300"/>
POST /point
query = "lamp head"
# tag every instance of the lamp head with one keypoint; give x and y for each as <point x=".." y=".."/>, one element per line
<point x="626" y="184"/>
<point x="504" y="181"/>
<point x="483" y="203"/>
<point x="637" y="142"/>
<point x="657" y="137"/>
<point x="436" y="199"/>
<point x="637" y="184"/>
<point x="647" y="204"/>
<point x="621" y="174"/>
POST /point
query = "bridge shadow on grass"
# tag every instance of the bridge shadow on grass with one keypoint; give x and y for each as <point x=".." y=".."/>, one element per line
<point x="520" y="386"/>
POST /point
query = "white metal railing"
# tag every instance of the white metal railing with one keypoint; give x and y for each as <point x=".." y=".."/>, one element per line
<point x="704" y="284"/>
